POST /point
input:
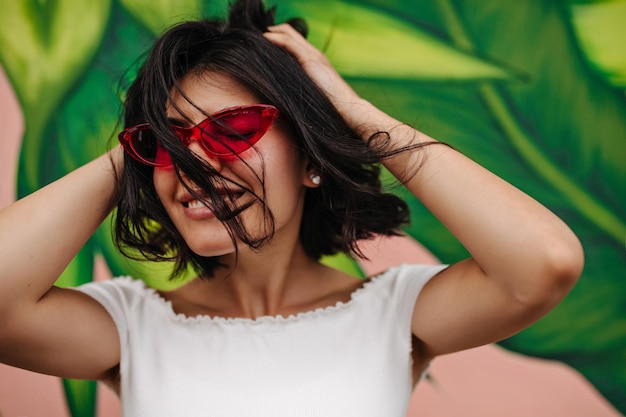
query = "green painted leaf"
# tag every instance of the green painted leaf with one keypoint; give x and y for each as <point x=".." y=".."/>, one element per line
<point x="601" y="31"/>
<point x="44" y="48"/>
<point x="351" y="34"/>
<point x="569" y="138"/>
<point x="157" y="15"/>
<point x="81" y="397"/>
<point x="344" y="263"/>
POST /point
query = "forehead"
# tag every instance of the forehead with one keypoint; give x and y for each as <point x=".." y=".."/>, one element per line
<point x="207" y="93"/>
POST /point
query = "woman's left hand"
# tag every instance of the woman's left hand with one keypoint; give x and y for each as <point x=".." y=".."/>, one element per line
<point x="317" y="66"/>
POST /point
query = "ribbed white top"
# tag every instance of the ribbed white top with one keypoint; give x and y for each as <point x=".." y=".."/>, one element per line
<point x="350" y="359"/>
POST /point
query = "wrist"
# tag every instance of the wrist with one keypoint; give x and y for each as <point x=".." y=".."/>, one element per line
<point x="116" y="159"/>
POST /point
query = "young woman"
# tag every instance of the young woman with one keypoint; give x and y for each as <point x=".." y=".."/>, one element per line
<point x="246" y="157"/>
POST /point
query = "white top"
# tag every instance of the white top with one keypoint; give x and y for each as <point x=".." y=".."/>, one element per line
<point x="350" y="359"/>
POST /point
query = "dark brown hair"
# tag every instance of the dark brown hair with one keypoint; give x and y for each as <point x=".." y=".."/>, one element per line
<point x="349" y="205"/>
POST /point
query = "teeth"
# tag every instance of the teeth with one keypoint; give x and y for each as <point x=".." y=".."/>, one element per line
<point x="194" y="204"/>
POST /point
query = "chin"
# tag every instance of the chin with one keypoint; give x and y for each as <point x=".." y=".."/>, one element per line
<point x="211" y="251"/>
<point x="211" y="247"/>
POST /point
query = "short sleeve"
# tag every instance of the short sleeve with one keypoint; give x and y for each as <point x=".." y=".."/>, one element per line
<point x="117" y="296"/>
<point x="407" y="285"/>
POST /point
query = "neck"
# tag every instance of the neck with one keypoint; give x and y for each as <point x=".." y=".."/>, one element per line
<point x="266" y="282"/>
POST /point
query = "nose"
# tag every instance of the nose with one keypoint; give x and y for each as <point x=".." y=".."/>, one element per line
<point x="195" y="147"/>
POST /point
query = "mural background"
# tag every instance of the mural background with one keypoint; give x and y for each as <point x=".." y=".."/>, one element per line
<point x="532" y="90"/>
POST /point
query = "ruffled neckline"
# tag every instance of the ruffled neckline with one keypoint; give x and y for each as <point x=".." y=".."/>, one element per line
<point x="153" y="295"/>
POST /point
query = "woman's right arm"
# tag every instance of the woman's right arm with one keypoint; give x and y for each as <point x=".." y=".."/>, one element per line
<point x="44" y="328"/>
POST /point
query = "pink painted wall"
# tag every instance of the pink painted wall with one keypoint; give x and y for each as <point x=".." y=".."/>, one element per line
<point x="482" y="382"/>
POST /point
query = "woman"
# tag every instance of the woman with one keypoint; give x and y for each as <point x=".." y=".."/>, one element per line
<point x="246" y="158"/>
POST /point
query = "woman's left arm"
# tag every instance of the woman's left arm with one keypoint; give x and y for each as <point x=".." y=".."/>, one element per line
<point x="524" y="258"/>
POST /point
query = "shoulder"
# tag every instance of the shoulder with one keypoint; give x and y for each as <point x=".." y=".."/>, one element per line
<point x="120" y="288"/>
<point x="413" y="271"/>
<point x="123" y="298"/>
<point x="123" y="282"/>
<point x="400" y="286"/>
<point x="407" y="277"/>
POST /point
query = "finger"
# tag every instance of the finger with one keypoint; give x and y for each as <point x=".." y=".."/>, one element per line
<point x="289" y="39"/>
<point x="288" y="34"/>
<point x="285" y="28"/>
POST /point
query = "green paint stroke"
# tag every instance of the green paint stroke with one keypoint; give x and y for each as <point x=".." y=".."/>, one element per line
<point x="43" y="61"/>
<point x="81" y="397"/>
<point x="157" y="15"/>
<point x="400" y="48"/>
<point x="601" y="31"/>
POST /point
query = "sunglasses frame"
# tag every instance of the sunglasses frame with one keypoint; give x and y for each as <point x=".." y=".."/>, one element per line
<point x="267" y="113"/>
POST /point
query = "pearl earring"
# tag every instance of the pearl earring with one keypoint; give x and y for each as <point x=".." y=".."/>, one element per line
<point x="315" y="179"/>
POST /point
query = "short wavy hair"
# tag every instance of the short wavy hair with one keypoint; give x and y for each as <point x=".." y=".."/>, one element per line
<point x="348" y="206"/>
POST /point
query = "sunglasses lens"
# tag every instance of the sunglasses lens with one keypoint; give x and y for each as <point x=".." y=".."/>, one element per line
<point x="147" y="148"/>
<point x="234" y="132"/>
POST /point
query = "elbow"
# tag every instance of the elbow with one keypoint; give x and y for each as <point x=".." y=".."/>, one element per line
<point x="557" y="272"/>
<point x="566" y="262"/>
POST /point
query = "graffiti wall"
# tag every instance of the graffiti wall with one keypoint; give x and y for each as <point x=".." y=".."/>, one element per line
<point x="533" y="90"/>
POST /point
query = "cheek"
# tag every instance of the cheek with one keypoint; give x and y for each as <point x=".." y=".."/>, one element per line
<point x="284" y="169"/>
<point x="164" y="180"/>
<point x="285" y="177"/>
<point x="274" y="158"/>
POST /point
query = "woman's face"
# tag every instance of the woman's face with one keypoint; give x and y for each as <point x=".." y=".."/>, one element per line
<point x="273" y="159"/>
